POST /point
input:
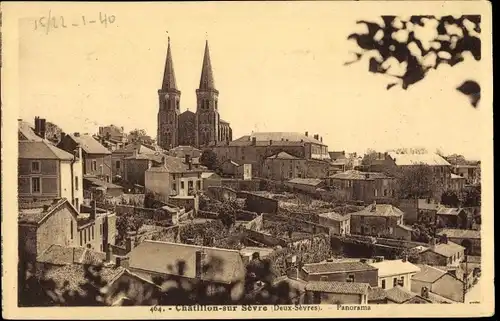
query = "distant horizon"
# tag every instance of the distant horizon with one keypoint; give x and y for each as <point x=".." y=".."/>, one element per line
<point x="296" y="84"/>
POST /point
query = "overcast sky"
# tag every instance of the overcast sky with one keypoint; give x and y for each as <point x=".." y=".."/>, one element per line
<point x="278" y="67"/>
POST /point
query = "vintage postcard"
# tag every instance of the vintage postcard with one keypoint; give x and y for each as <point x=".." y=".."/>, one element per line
<point x="315" y="159"/>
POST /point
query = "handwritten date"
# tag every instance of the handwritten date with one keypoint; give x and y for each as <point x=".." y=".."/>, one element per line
<point x="50" y="22"/>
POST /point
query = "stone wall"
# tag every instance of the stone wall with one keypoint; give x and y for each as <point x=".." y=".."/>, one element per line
<point x="221" y="193"/>
<point x="259" y="204"/>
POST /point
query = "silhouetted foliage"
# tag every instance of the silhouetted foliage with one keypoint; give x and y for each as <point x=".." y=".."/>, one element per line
<point x="174" y="289"/>
<point x="394" y="43"/>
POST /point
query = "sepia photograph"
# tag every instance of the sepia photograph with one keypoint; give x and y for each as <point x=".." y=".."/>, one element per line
<point x="247" y="159"/>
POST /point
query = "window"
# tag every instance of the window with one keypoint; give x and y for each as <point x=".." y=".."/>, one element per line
<point x="76" y="183"/>
<point x="35" y="185"/>
<point x="174" y="186"/>
<point x="190" y="184"/>
<point x="350" y="278"/>
<point x="182" y="184"/>
<point x="385" y="192"/>
<point x="77" y="204"/>
<point x="81" y="239"/>
<point x="92" y="231"/>
<point x="85" y="236"/>
<point x="100" y="229"/>
<point x="71" y="229"/>
<point x="402" y="281"/>
<point x="383" y="284"/>
<point x="118" y="164"/>
<point x="198" y="185"/>
<point x="94" y="165"/>
<point x="394" y="282"/>
<point x="35" y="166"/>
<point x="376" y="192"/>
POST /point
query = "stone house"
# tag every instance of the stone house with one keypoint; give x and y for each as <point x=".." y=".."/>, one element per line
<point x="457" y="182"/>
<point x="113" y="133"/>
<point x="47" y="172"/>
<point x="176" y="180"/>
<point x="97" y="159"/>
<point x="364" y="186"/>
<point x="118" y="156"/>
<point x="135" y="167"/>
<point x="337" y="223"/>
<point x="390" y="162"/>
<point x="393" y="273"/>
<point x="470" y="172"/>
<point x="182" y="151"/>
<point x="469" y="239"/>
<point x="210" y="179"/>
<point x="309" y="185"/>
<point x="283" y="166"/>
<point x="381" y="220"/>
<point x="449" y="217"/>
<point x="340" y="272"/>
<point x="232" y="169"/>
<point x="402" y="295"/>
<point x="332" y="292"/>
<point x="439" y="282"/>
<point x="255" y="148"/>
<point x="44" y="224"/>
<point x="445" y="253"/>
<point x="225" y="267"/>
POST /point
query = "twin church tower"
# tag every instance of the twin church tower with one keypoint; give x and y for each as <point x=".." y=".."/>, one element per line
<point x="201" y="128"/>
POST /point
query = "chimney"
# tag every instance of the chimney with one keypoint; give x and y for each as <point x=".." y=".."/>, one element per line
<point x="374" y="206"/>
<point x="40" y="128"/>
<point x="200" y="262"/>
<point x="321" y="139"/>
<point x="76" y="134"/>
<point x="93" y="211"/>
<point x="432" y="243"/>
<point x="405" y="258"/>
<point x="254" y="141"/>
<point x="130" y="241"/>
<point x="270" y="142"/>
<point x="45" y="208"/>
<point x="362" y="260"/>
<point x="307" y="134"/>
<point x="188" y="161"/>
<point x="425" y="292"/>
<point x="122" y="261"/>
<point x="444" y="239"/>
<point x="379" y="258"/>
<point x="164" y="160"/>
<point x="108" y="252"/>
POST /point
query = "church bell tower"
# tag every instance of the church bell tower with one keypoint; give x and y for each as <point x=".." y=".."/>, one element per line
<point x="169" y="106"/>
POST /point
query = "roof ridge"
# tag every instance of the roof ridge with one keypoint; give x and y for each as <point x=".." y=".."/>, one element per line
<point x="191" y="245"/>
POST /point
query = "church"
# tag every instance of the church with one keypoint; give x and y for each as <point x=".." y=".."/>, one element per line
<point x="202" y="128"/>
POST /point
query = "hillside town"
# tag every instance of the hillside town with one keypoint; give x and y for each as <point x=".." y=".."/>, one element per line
<point x="197" y="216"/>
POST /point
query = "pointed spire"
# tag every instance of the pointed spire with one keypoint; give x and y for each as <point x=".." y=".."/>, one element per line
<point x="169" y="74"/>
<point x="207" y="77"/>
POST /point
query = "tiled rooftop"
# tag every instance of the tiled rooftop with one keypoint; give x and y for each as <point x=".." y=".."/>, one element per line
<point x="336" y="267"/>
<point x="338" y="287"/>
